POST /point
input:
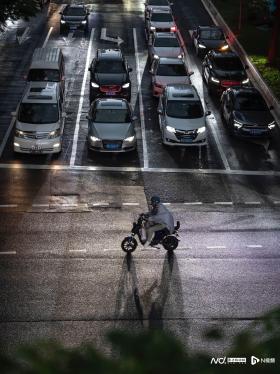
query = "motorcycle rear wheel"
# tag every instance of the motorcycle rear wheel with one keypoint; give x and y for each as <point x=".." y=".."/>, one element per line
<point x="129" y="244"/>
<point x="170" y="243"/>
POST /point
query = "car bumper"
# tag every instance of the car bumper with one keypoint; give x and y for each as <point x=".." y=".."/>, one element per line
<point x="45" y="146"/>
<point x="73" y="26"/>
<point x="171" y="139"/>
<point x="252" y="133"/>
<point x="101" y="147"/>
<point x="95" y="94"/>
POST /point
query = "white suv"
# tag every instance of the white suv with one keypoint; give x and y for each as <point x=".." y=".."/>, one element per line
<point x="40" y="119"/>
<point x="181" y="116"/>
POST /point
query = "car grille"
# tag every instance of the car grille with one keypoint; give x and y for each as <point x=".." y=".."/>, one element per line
<point x="112" y="145"/>
<point x="35" y="135"/>
<point x="192" y="134"/>
<point x="112" y="88"/>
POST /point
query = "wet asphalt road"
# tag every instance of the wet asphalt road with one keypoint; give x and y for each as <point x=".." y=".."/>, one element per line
<point x="62" y="273"/>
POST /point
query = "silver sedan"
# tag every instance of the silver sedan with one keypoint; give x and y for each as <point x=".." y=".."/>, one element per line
<point x="165" y="44"/>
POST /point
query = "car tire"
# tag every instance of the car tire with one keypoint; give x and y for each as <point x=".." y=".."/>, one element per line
<point x="62" y="30"/>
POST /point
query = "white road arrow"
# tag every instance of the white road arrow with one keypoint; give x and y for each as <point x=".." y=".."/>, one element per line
<point x="103" y="36"/>
<point x="24" y="37"/>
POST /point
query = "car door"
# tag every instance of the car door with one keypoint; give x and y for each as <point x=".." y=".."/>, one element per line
<point x="206" y="68"/>
<point x="160" y="109"/>
<point x="195" y="37"/>
<point x="153" y="70"/>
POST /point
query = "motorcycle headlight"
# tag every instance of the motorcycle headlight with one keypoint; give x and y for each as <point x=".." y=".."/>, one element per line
<point x="94" y="139"/>
<point x="84" y="22"/>
<point x="271" y="125"/>
<point x="19" y="134"/>
<point x="62" y="21"/>
<point x="126" y="85"/>
<point x="237" y="124"/>
<point x="201" y="45"/>
<point x="94" y="85"/>
<point x="54" y="134"/>
<point x="200" y="130"/>
<point x="245" y="81"/>
<point x="130" y="139"/>
<point x="215" y="80"/>
<point x="170" y="129"/>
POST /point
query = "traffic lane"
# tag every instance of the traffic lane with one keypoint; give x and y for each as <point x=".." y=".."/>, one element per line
<point x="161" y="293"/>
<point x="246" y="154"/>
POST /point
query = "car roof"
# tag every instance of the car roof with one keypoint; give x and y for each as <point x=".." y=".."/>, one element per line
<point x="182" y="92"/>
<point x="166" y="35"/>
<point x="46" y="58"/>
<point x="210" y="28"/>
<point x="161" y="10"/>
<point x="111" y="103"/>
<point x="109" y="54"/>
<point x="75" y="6"/>
<point x="38" y="92"/>
<point x="171" y="60"/>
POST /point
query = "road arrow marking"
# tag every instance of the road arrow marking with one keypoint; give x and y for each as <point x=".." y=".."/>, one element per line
<point x="103" y="36"/>
<point x="24" y="37"/>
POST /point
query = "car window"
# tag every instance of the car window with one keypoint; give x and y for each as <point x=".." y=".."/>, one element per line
<point x="166" y="42"/>
<point x="74" y="12"/>
<point x="161" y="17"/>
<point x="43" y="75"/>
<point x="157" y="2"/>
<point x="184" y="109"/>
<point x="111" y="116"/>
<point x="38" y="113"/>
<point x="250" y="102"/>
<point x="211" y="34"/>
<point x="226" y="63"/>
<point x="110" y="67"/>
<point x="172" y="70"/>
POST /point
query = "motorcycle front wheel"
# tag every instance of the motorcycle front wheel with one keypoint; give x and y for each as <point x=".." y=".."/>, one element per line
<point x="170" y="243"/>
<point x="129" y="244"/>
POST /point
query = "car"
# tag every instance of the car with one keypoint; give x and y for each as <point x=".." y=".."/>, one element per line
<point x="221" y="70"/>
<point x="168" y="71"/>
<point x="74" y="16"/>
<point x="156" y="4"/>
<point x="181" y="116"/>
<point x="159" y="20"/>
<point x="111" y="126"/>
<point x="205" y="38"/>
<point x="165" y="44"/>
<point x="246" y="113"/>
<point x="40" y="119"/>
<point x="109" y="75"/>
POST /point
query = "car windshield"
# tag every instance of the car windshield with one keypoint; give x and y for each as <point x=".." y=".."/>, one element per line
<point x="250" y="102"/>
<point x="110" y="67"/>
<point x="211" y="34"/>
<point x="225" y="63"/>
<point x="161" y="17"/>
<point x="43" y="75"/>
<point x="74" y="12"/>
<point x="38" y="114"/>
<point x="157" y="2"/>
<point x="184" y="109"/>
<point x="172" y="70"/>
<point x="166" y="42"/>
<point x="111" y="116"/>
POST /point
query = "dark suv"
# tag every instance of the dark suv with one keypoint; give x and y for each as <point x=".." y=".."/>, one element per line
<point x="221" y="70"/>
<point x="74" y="17"/>
<point x="109" y="75"/>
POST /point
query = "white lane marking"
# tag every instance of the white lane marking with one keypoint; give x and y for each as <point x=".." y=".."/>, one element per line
<point x="130" y="204"/>
<point x="8" y="253"/>
<point x="40" y="205"/>
<point x="193" y="203"/>
<point x="252" y="202"/>
<point x="223" y="202"/>
<point x="276" y="202"/>
<point x="212" y="122"/>
<point x="166" y="203"/>
<point x="47" y="37"/>
<point x="141" y="106"/>
<point x="6" y="137"/>
<point x="77" y="126"/>
<point x="216" y="247"/>
<point x="8" y="206"/>
<point x="111" y="249"/>
<point x="254" y="246"/>
<point x="77" y="250"/>
<point x="103" y="36"/>
<point x="98" y="204"/>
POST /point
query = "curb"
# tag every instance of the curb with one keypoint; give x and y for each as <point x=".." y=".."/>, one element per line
<point x="253" y="73"/>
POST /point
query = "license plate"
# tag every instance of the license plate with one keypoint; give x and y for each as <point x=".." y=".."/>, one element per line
<point x="256" y="131"/>
<point x="112" y="146"/>
<point x="186" y="139"/>
<point x="111" y="93"/>
<point x="36" y="149"/>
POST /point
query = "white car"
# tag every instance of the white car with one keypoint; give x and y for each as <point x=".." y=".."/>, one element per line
<point x="181" y="116"/>
<point x="165" y="44"/>
<point x="168" y="71"/>
<point x="159" y="20"/>
<point x="156" y="4"/>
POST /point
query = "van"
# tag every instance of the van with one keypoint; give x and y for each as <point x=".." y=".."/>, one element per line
<point x="47" y="66"/>
<point x="40" y="119"/>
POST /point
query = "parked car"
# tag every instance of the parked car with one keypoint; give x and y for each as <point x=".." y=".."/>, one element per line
<point x="165" y="44"/>
<point x="156" y="4"/>
<point x="221" y="70"/>
<point x="168" y="71"/>
<point x="109" y="75"/>
<point x="74" y="17"/>
<point x="245" y="112"/>
<point x="111" y="126"/>
<point x="40" y="119"/>
<point x="181" y="116"/>
<point x="159" y="20"/>
<point x="205" y="38"/>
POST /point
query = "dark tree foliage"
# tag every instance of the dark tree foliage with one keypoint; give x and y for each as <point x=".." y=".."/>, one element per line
<point x="16" y="9"/>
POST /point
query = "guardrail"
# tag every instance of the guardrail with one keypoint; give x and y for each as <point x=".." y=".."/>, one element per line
<point x="252" y="72"/>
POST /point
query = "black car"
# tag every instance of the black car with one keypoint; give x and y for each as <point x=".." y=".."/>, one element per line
<point x="109" y="75"/>
<point x="206" y="38"/>
<point x="246" y="113"/>
<point x="221" y="70"/>
<point x="74" y="17"/>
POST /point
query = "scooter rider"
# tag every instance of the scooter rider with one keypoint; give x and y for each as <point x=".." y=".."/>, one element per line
<point x="159" y="218"/>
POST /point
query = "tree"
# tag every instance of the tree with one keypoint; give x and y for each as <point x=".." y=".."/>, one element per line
<point x="274" y="41"/>
<point x="16" y="9"/>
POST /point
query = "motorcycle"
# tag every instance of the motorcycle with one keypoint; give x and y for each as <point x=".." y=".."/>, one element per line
<point x="162" y="237"/>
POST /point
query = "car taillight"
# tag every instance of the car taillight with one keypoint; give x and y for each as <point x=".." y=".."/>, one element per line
<point x="158" y="85"/>
<point x="173" y="29"/>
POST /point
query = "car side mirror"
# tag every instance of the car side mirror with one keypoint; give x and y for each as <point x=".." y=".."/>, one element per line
<point x="207" y="113"/>
<point x="170" y="4"/>
<point x="89" y="69"/>
<point x="190" y="73"/>
<point x="151" y="71"/>
<point x="227" y="37"/>
<point x="63" y="115"/>
<point x="60" y="12"/>
<point x="13" y="114"/>
<point x="160" y="111"/>
<point x="271" y="107"/>
<point x="246" y="67"/>
<point x="130" y="69"/>
<point x="88" y="12"/>
<point x="134" y="118"/>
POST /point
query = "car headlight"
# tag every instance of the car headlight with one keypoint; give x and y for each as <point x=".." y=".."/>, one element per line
<point x="245" y="81"/>
<point x="156" y="57"/>
<point x="224" y="47"/>
<point x="62" y="21"/>
<point x="126" y="85"/>
<point x="84" y="22"/>
<point x="130" y="139"/>
<point x="94" y="139"/>
<point x="54" y="134"/>
<point x="170" y="129"/>
<point x="237" y="124"/>
<point x="94" y="85"/>
<point x="201" y="45"/>
<point x="152" y="28"/>
<point x="200" y="130"/>
<point x="19" y="134"/>
<point x="271" y="125"/>
<point x="215" y="80"/>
